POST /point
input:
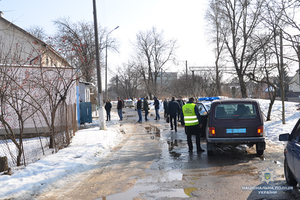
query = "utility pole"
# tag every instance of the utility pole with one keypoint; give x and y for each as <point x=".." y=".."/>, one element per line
<point x="186" y="71"/>
<point x="102" y="124"/>
<point x="193" y="78"/>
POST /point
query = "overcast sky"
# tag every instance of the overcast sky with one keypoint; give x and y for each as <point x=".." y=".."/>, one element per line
<point x="181" y="20"/>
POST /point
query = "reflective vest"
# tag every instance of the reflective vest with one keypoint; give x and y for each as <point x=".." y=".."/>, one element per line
<point x="190" y="117"/>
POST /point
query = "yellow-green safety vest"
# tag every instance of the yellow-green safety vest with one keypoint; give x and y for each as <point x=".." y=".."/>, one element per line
<point x="190" y="117"/>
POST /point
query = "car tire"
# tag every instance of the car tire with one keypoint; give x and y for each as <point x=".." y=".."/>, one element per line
<point x="259" y="152"/>
<point x="210" y="146"/>
<point x="289" y="177"/>
<point x="210" y="153"/>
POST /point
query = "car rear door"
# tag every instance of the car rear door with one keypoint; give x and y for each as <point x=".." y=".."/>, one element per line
<point x="231" y="121"/>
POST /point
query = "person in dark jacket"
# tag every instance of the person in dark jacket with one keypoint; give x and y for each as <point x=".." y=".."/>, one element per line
<point x="120" y="107"/>
<point x="166" y="108"/>
<point x="156" y="106"/>
<point x="108" y="109"/>
<point x="191" y="119"/>
<point x="181" y="103"/>
<point x="173" y="110"/>
<point x="139" y="109"/>
<point x="146" y="108"/>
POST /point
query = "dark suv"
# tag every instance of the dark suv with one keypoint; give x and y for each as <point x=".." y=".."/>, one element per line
<point x="234" y="122"/>
<point x="292" y="155"/>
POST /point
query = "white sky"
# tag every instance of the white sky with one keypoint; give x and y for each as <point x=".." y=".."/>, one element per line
<point x="181" y="20"/>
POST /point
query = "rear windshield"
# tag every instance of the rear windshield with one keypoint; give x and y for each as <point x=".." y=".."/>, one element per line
<point x="235" y="110"/>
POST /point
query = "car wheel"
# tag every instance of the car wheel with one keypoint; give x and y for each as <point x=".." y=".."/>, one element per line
<point x="210" y="148"/>
<point x="289" y="177"/>
<point x="210" y="153"/>
<point x="259" y="152"/>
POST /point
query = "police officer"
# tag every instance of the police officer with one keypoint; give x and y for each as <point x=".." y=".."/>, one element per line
<point x="191" y="119"/>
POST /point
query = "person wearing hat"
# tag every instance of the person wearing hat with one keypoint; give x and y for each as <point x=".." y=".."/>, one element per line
<point x="192" y="122"/>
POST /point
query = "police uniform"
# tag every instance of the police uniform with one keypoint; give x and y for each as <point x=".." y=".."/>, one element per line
<point x="192" y="121"/>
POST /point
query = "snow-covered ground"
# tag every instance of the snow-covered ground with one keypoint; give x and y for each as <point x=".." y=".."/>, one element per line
<point x="91" y="145"/>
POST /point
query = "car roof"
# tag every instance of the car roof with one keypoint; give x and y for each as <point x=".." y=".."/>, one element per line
<point x="234" y="101"/>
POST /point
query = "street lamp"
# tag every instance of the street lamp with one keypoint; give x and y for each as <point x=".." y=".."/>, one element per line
<point x="106" y="95"/>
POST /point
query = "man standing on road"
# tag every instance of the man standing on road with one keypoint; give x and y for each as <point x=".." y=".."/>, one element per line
<point x="120" y="107"/>
<point x="156" y="104"/>
<point x="146" y="108"/>
<point x="165" y="108"/>
<point x="139" y="109"/>
<point x="181" y="103"/>
<point x="191" y="118"/>
<point x="173" y="110"/>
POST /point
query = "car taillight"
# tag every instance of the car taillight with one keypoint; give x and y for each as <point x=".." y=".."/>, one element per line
<point x="260" y="131"/>
<point x="212" y="131"/>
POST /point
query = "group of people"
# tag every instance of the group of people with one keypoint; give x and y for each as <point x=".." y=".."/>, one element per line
<point x="187" y="114"/>
<point x="108" y="107"/>
<point x="120" y="105"/>
<point x="146" y="109"/>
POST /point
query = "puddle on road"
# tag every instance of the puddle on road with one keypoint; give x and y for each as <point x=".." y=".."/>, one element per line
<point x="153" y="131"/>
<point x="149" y="188"/>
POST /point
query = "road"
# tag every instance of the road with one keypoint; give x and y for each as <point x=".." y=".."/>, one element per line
<point x="153" y="163"/>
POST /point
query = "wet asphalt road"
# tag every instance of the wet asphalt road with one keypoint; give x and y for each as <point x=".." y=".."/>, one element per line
<point x="153" y="163"/>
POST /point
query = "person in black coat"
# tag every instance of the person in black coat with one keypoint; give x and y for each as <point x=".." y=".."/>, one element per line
<point x="181" y="103"/>
<point x="119" y="108"/>
<point x="108" y="109"/>
<point x="156" y="106"/>
<point x="166" y="108"/>
<point x="139" y="109"/>
<point x="173" y="110"/>
<point x="146" y="108"/>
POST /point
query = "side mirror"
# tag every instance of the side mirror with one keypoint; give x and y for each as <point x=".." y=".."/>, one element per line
<point x="284" y="137"/>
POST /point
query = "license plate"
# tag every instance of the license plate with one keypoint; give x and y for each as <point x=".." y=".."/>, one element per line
<point x="236" y="130"/>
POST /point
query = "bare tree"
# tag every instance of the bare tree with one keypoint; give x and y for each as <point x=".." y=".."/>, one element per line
<point x="38" y="32"/>
<point x="128" y="81"/>
<point x="262" y="71"/>
<point x="153" y="53"/>
<point x="277" y="21"/>
<point x="76" y="42"/>
<point x="216" y="24"/>
<point x="241" y="20"/>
